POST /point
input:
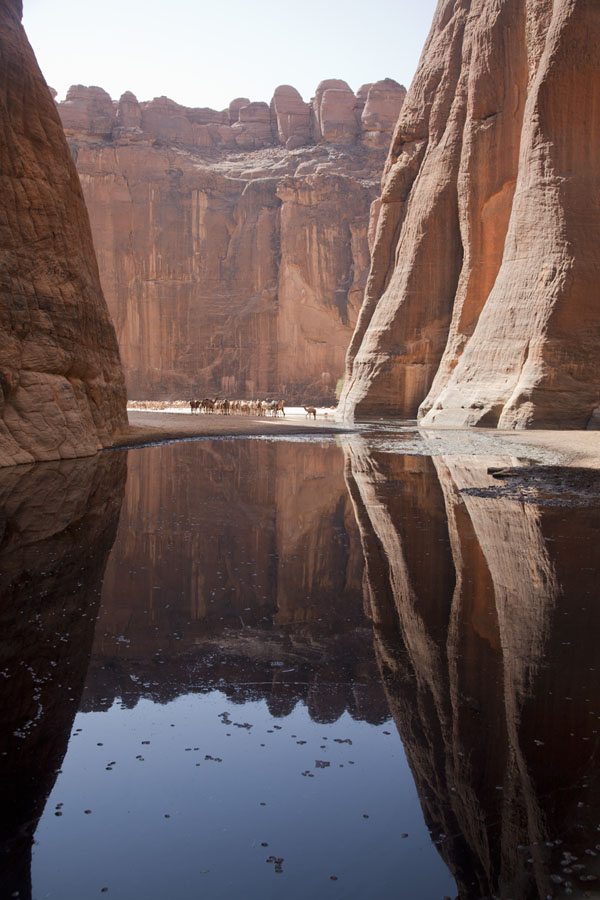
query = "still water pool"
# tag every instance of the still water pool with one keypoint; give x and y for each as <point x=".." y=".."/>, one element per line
<point x="279" y="669"/>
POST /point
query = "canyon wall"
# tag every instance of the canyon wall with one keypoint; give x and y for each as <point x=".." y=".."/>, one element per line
<point x="482" y="305"/>
<point x="232" y="244"/>
<point x="61" y="386"/>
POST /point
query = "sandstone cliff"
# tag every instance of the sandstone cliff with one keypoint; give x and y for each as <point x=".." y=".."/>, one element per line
<point x="232" y="244"/>
<point x="61" y="386"/>
<point x="482" y="305"/>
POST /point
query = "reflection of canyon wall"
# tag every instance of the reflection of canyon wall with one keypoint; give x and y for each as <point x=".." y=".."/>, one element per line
<point x="61" y="386"/>
<point x="57" y="524"/>
<point x="481" y="305"/>
<point x="490" y="667"/>
<point x="237" y="563"/>
<point x="232" y="244"/>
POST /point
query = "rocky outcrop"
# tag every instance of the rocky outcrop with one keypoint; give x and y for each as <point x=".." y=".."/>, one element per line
<point x="481" y="304"/>
<point x="61" y="386"/>
<point x="232" y="244"/>
<point x="489" y="669"/>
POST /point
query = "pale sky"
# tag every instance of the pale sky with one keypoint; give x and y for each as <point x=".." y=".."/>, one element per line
<point x="202" y="54"/>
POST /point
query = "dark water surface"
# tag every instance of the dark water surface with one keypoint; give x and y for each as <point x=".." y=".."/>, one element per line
<point x="279" y="669"/>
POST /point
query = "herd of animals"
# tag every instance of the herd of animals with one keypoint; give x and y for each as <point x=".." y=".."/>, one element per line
<point x="245" y="407"/>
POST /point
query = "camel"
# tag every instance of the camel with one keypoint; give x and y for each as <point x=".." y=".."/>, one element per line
<point x="195" y="406"/>
<point x="276" y="406"/>
<point x="207" y="405"/>
<point x="310" y="411"/>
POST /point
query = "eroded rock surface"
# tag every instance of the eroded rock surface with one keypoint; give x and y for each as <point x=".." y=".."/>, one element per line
<point x="482" y="305"/>
<point x="232" y="244"/>
<point x="61" y="386"/>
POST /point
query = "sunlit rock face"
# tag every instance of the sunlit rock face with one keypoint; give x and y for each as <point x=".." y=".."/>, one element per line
<point x="58" y="521"/>
<point x="232" y="244"/>
<point x="490" y="666"/>
<point x="481" y="304"/>
<point x="258" y="596"/>
<point x="62" y="393"/>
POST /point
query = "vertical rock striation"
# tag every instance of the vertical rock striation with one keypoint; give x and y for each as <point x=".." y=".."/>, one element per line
<point x="61" y="386"/>
<point x="232" y="244"/>
<point x="481" y="305"/>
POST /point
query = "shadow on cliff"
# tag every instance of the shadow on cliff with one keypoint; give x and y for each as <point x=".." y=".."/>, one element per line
<point x="486" y="637"/>
<point x="58" y="521"/>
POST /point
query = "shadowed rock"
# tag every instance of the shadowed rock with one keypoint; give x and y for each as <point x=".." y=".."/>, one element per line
<point x="61" y="386"/>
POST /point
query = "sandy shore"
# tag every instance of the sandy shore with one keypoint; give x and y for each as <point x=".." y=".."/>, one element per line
<point x="573" y="448"/>
<point x="568" y="448"/>
<point x="150" y="427"/>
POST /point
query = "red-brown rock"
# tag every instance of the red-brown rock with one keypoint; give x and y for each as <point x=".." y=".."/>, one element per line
<point x="233" y="256"/>
<point x="482" y="304"/>
<point x="61" y="385"/>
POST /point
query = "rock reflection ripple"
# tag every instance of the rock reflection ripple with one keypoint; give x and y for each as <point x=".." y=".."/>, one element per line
<point x="238" y="567"/>
<point x="486" y="621"/>
<point x="58" y="521"/>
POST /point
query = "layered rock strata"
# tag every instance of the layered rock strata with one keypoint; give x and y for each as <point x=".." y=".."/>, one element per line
<point x="61" y="386"/>
<point x="481" y="305"/>
<point x="232" y="244"/>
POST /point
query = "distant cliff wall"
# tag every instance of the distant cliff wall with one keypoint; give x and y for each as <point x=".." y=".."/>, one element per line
<point x="232" y="244"/>
<point x="61" y="386"/>
<point x="482" y="303"/>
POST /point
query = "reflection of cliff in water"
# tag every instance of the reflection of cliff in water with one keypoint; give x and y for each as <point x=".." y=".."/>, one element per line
<point x="487" y="642"/>
<point x="237" y="567"/>
<point x="57" y="524"/>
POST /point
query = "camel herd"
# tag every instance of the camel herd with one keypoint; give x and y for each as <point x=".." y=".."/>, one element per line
<point x="239" y="407"/>
<point x="244" y="407"/>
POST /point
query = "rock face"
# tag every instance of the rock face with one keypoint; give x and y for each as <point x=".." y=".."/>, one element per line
<point x="232" y="244"/>
<point x="482" y="305"/>
<point x="61" y="385"/>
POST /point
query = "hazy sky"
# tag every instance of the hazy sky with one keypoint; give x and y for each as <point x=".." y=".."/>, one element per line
<point x="206" y="54"/>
